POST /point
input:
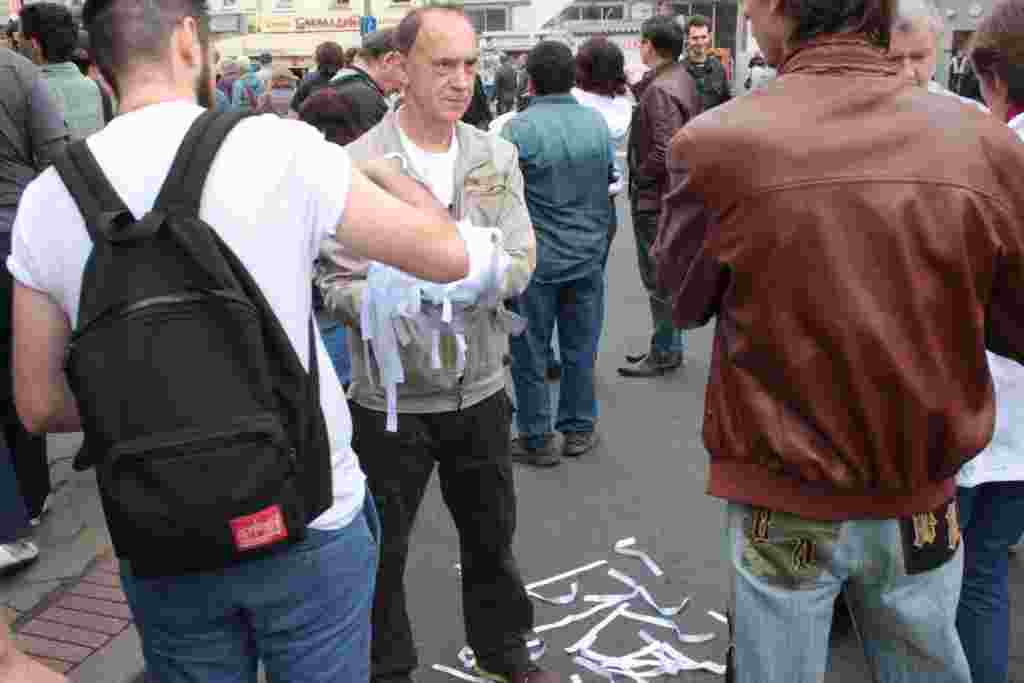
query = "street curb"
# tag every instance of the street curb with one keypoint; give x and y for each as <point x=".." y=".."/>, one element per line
<point x="84" y="627"/>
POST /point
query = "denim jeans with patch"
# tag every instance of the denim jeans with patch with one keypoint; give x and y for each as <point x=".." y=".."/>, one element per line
<point x="304" y="612"/>
<point x="901" y="580"/>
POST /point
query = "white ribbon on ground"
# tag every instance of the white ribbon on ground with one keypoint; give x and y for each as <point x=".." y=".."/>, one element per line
<point x="566" y="599"/>
<point x="459" y="674"/>
<point x="720" y="617"/>
<point x="689" y="639"/>
<point x="590" y="636"/>
<point x="625" y="547"/>
<point x="645" y="594"/>
<point x="682" y="661"/>
<point x="566" y="575"/>
<point x="573" y="618"/>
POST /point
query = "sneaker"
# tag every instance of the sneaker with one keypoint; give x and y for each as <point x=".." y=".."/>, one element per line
<point x="533" y="674"/>
<point x="36" y="520"/>
<point x="17" y="554"/>
<point x="543" y="456"/>
<point x="653" y="364"/>
<point x="579" y="443"/>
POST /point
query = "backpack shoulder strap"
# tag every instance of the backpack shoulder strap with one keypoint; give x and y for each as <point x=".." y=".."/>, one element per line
<point x="96" y="198"/>
<point x="182" y="190"/>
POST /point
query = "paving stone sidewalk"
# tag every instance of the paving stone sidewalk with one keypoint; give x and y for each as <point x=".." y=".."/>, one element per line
<point x="67" y="609"/>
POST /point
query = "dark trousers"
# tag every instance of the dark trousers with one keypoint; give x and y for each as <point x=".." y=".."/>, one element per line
<point x="666" y="338"/>
<point x="28" y="451"/>
<point x="471" y="450"/>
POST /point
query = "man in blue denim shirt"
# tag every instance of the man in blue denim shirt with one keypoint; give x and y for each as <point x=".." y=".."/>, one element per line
<point x="565" y="154"/>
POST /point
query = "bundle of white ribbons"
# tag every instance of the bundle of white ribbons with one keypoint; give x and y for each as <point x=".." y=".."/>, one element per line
<point x="392" y="294"/>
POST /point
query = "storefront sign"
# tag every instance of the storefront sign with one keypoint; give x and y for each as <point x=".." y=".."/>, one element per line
<point x="228" y="23"/>
<point x="311" y="23"/>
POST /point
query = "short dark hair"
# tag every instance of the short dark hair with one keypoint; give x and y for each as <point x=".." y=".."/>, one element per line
<point x="126" y="33"/>
<point x="813" y="18"/>
<point x="551" y="68"/>
<point x="329" y="57"/>
<point x="665" y="36"/>
<point x="409" y="28"/>
<point x="13" y="26"/>
<point x="996" y="48"/>
<point x="54" y="27"/>
<point x="377" y="44"/>
<point x="698" y="20"/>
<point x="600" y="67"/>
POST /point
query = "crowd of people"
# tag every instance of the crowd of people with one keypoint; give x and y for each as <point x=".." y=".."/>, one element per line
<point x="413" y="237"/>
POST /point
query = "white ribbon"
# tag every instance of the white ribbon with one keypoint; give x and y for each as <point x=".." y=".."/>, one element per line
<point x="624" y="547"/>
<point x="566" y="599"/>
<point x="682" y="661"/>
<point x="566" y="575"/>
<point x="666" y="623"/>
<point x="648" y="598"/>
<point x="591" y="636"/>
<point x="719" y="617"/>
<point x="459" y="674"/>
<point x="573" y="618"/>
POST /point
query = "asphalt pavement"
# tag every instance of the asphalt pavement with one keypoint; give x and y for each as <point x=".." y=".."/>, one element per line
<point x="645" y="480"/>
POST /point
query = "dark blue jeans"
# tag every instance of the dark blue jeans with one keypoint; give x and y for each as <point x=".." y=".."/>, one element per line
<point x="335" y="337"/>
<point x="13" y="514"/>
<point x="304" y="612"/>
<point x="578" y="308"/>
<point x="992" y="519"/>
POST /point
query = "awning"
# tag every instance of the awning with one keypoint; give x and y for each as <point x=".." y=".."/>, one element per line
<point x="292" y="47"/>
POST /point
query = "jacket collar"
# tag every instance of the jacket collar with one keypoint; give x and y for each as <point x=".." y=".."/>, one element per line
<point x="471" y="152"/>
<point x="838" y="54"/>
<point x="62" y="68"/>
<point x="561" y="98"/>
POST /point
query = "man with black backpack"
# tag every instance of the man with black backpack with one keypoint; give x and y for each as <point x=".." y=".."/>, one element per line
<point x="162" y="307"/>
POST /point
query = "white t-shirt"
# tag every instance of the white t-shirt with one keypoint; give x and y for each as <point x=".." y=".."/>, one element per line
<point x="437" y="168"/>
<point x="275" y="190"/>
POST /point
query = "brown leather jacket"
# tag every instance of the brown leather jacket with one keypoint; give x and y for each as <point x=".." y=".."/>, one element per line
<point x="859" y="258"/>
<point x="667" y="98"/>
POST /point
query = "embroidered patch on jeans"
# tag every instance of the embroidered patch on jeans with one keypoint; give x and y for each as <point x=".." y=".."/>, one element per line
<point x="259" y="529"/>
<point x="930" y="539"/>
<point x="782" y="548"/>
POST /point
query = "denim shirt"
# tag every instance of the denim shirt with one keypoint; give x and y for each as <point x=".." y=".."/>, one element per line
<point x="565" y="154"/>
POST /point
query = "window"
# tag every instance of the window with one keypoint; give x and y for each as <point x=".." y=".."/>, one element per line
<point x="594" y="12"/>
<point x="486" y="19"/>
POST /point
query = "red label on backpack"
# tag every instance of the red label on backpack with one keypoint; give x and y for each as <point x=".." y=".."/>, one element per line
<point x="259" y="529"/>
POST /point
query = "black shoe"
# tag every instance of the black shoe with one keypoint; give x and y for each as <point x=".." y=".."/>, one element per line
<point x="842" y="621"/>
<point x="653" y="364"/>
<point x="543" y="456"/>
<point x="554" y="372"/>
<point x="579" y="443"/>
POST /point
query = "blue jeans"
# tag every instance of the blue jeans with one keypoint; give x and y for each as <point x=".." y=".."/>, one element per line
<point x="304" y="612"/>
<point x="335" y="336"/>
<point x="577" y="306"/>
<point x="13" y="513"/>
<point x="992" y="517"/>
<point x="788" y="571"/>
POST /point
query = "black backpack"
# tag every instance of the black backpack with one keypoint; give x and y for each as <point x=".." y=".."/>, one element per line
<point x="205" y="430"/>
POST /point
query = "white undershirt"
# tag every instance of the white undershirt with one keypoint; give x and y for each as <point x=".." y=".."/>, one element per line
<point x="436" y="168"/>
